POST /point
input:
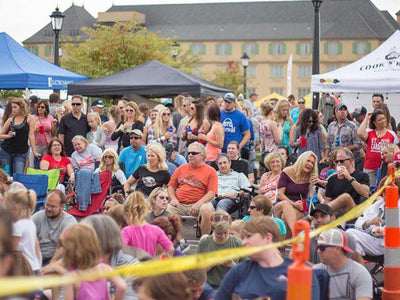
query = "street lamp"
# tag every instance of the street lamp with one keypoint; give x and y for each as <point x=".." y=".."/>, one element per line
<point x="174" y="49"/>
<point x="315" y="58"/>
<point x="56" y="22"/>
<point x="245" y="63"/>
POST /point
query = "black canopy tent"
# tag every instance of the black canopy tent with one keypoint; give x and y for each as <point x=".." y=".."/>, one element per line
<point x="152" y="79"/>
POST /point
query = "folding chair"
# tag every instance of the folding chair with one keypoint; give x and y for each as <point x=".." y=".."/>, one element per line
<point x="38" y="183"/>
<point x="378" y="262"/>
<point x="97" y="199"/>
<point x="53" y="175"/>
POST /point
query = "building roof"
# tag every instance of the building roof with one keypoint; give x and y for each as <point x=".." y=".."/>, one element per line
<point x="340" y="19"/>
<point x="76" y="17"/>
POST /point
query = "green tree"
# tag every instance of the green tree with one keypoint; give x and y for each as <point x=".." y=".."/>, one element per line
<point x="109" y="49"/>
<point x="230" y="77"/>
<point x="4" y="94"/>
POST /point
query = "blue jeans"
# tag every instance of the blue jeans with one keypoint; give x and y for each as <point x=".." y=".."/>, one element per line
<point x="15" y="161"/>
<point x="224" y="204"/>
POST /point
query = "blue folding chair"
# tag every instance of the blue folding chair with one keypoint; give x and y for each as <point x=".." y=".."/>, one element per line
<point x="38" y="183"/>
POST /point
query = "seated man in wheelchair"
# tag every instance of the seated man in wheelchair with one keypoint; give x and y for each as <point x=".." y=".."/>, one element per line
<point x="370" y="229"/>
<point x="231" y="184"/>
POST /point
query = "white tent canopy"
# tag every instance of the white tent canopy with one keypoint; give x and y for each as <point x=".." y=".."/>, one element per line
<point x="377" y="72"/>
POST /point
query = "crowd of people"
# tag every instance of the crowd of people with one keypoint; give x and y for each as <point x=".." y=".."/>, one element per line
<point x="245" y="173"/>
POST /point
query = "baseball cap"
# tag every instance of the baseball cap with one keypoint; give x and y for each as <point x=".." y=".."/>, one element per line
<point x="359" y="110"/>
<point x="334" y="237"/>
<point x="326" y="209"/>
<point x="167" y="102"/>
<point x="340" y="105"/>
<point x="396" y="157"/>
<point x="168" y="150"/>
<point x="98" y="103"/>
<point x="229" y="97"/>
<point x="137" y="132"/>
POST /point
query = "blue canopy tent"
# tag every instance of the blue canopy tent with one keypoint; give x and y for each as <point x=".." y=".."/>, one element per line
<point x="20" y="69"/>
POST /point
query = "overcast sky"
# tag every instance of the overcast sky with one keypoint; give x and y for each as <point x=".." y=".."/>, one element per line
<point x="23" y="18"/>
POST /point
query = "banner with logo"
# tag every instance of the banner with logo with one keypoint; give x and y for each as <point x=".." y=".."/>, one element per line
<point x="377" y="72"/>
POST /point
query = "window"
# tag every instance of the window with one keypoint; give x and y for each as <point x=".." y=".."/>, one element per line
<point x="250" y="48"/>
<point x="361" y="48"/>
<point x="305" y="71"/>
<point x="276" y="71"/>
<point x="251" y="91"/>
<point x="330" y="68"/>
<point x="333" y="48"/>
<point x="277" y="90"/>
<point x="303" y="92"/>
<point x="277" y="48"/>
<point x="49" y="50"/>
<point x="223" y="49"/>
<point x="304" y="48"/>
<point x="198" y="71"/>
<point x="251" y="71"/>
<point x="33" y="49"/>
<point x="198" y="49"/>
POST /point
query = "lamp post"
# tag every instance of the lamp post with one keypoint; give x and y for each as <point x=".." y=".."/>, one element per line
<point x="245" y="63"/>
<point x="174" y="49"/>
<point x="315" y="58"/>
<point x="56" y="22"/>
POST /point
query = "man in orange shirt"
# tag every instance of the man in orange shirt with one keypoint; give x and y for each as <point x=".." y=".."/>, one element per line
<point x="193" y="186"/>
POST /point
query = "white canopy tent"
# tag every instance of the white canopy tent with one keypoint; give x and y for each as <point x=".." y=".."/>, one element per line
<point x="377" y="72"/>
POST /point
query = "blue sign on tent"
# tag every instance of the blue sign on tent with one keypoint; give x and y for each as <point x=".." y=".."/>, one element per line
<point x="20" y="69"/>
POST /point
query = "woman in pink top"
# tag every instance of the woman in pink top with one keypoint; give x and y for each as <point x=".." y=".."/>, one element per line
<point x="83" y="258"/>
<point x="44" y="130"/>
<point x="215" y="137"/>
<point x="270" y="132"/>
<point x="139" y="233"/>
<point x="269" y="180"/>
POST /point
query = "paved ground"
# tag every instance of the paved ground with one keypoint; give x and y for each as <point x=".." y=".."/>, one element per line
<point x="189" y="233"/>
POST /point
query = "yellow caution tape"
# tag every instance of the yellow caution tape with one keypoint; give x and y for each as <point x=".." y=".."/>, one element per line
<point x="19" y="285"/>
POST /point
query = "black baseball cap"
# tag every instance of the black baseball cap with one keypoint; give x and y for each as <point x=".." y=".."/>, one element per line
<point x="326" y="209"/>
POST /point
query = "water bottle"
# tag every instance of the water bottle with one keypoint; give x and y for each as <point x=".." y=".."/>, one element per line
<point x="337" y="141"/>
<point x="171" y="129"/>
<point x="189" y="130"/>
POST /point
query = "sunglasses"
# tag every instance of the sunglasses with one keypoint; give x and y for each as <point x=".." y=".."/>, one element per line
<point x="310" y="121"/>
<point x="252" y="207"/>
<point x="108" y="157"/>
<point x="341" y="160"/>
<point x="323" y="247"/>
<point x="41" y="106"/>
<point x="193" y="153"/>
<point x="56" y="145"/>
<point x="301" y="102"/>
<point x="76" y="104"/>
<point x="163" y="197"/>
<point x="135" y="137"/>
<point x="166" y="114"/>
<point x="217" y="218"/>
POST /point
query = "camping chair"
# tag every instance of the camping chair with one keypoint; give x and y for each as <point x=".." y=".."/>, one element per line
<point x="378" y="262"/>
<point x="97" y="199"/>
<point x="38" y="183"/>
<point x="53" y="175"/>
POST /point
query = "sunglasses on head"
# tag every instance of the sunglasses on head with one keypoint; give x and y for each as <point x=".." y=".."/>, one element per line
<point x="76" y="104"/>
<point x="323" y="247"/>
<point x="135" y="137"/>
<point x="341" y="160"/>
<point x="193" y="153"/>
<point x="217" y="218"/>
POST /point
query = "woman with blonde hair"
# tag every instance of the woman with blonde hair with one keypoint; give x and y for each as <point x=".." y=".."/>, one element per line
<point x="274" y="162"/>
<point x="132" y="121"/>
<point x="96" y="134"/>
<point x="162" y="131"/>
<point x="150" y="123"/>
<point x="85" y="155"/>
<point x="153" y="174"/>
<point x="114" y="118"/>
<point x="293" y="188"/>
<point x="218" y="240"/>
<point x="22" y="203"/>
<point x="388" y="153"/>
<point x="282" y="119"/>
<point x="109" y="162"/>
<point x="16" y="132"/>
<point x="84" y="258"/>
<point x="158" y="202"/>
<point x="139" y="233"/>
<point x="270" y="132"/>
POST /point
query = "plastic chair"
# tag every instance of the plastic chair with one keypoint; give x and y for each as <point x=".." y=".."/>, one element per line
<point x="53" y="175"/>
<point x="38" y="183"/>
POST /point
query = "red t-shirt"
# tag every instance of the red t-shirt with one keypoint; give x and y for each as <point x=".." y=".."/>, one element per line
<point x="54" y="164"/>
<point x="375" y="145"/>
<point x="193" y="183"/>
